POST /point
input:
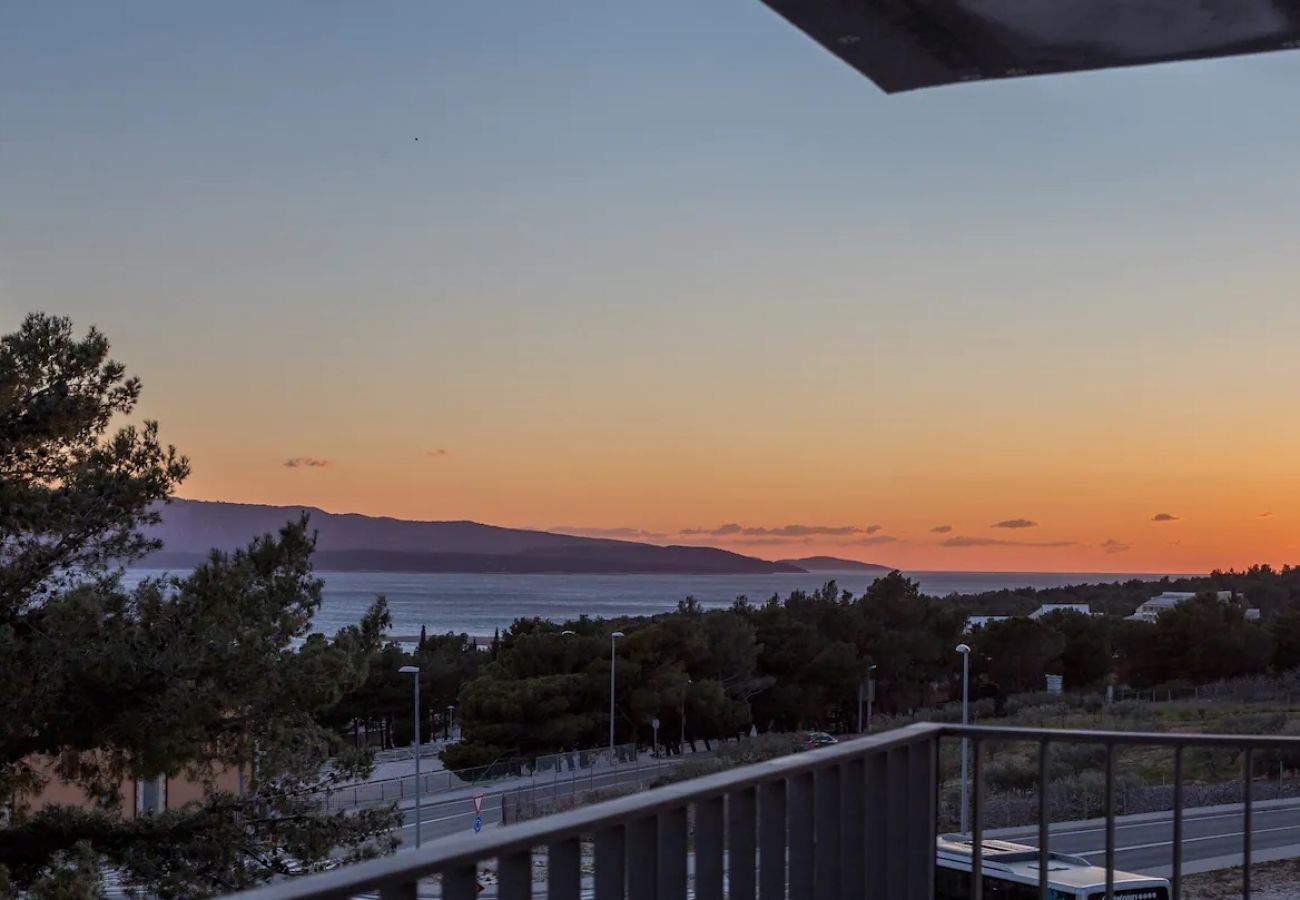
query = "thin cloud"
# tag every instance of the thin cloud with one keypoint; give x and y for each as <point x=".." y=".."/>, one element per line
<point x="963" y="541"/>
<point x="437" y="452"/>
<point x="786" y="531"/>
<point x="872" y="529"/>
<point x="721" y="531"/>
<point x="877" y="539"/>
<point x="627" y="533"/>
<point x="1114" y="546"/>
<point x="770" y="541"/>
<point x="941" y="529"/>
<point x="305" y="462"/>
<point x="1164" y="517"/>
<point x="1015" y="523"/>
<point x="1267" y="515"/>
<point x="805" y="530"/>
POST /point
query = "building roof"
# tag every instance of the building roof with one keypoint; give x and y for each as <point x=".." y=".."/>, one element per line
<point x="903" y="44"/>
<point x="1047" y="608"/>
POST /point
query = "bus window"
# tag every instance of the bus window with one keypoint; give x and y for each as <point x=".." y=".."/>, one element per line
<point x="951" y="884"/>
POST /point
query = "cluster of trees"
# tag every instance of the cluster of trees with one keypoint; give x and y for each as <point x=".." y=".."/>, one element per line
<point x="781" y="665"/>
<point x="1204" y="639"/>
<point x="797" y="662"/>
<point x="378" y="712"/>
<point x="181" y="676"/>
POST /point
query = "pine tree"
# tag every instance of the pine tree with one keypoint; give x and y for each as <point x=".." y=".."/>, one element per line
<point x="188" y="675"/>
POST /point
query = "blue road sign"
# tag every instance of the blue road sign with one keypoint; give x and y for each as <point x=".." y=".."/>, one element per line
<point x="478" y="824"/>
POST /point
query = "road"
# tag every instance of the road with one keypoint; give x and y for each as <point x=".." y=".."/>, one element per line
<point x="440" y="816"/>
<point x="1212" y="838"/>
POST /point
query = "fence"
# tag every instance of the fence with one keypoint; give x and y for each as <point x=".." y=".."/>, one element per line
<point x="545" y="769"/>
<point x="857" y="821"/>
<point x="1255" y="689"/>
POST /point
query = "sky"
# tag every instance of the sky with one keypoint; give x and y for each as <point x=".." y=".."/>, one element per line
<point x="669" y="270"/>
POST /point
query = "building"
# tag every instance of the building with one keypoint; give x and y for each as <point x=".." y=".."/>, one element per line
<point x="1162" y="603"/>
<point x="973" y="622"/>
<point x="1047" y="608"/>
<point x="138" y="795"/>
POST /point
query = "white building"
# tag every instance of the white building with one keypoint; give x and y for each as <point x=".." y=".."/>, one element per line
<point x="973" y="622"/>
<point x="1061" y="607"/>
<point x="1162" y="603"/>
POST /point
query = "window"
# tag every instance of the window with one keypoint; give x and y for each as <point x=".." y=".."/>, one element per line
<point x="951" y="884"/>
<point x="151" y="794"/>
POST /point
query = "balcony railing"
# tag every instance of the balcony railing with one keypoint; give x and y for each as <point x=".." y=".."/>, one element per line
<point x="857" y="820"/>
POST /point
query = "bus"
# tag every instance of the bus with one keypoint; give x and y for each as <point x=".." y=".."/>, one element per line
<point x="1011" y="873"/>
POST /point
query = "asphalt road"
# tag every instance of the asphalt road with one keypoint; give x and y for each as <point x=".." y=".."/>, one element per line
<point x="1212" y="838"/>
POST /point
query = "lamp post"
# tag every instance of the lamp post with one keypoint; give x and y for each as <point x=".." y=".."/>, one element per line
<point x="964" y="650"/>
<point x="871" y="694"/>
<point x="447" y="730"/>
<point x="415" y="670"/>
<point x="682" y="749"/>
<point x="613" y="662"/>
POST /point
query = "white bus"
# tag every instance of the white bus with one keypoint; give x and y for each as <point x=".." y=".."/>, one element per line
<point x="1011" y="873"/>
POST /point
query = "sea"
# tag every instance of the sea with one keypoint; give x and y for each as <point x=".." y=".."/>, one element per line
<point x="478" y="604"/>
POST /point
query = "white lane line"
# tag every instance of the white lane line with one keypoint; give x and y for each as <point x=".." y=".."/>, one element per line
<point x="1187" y="840"/>
<point x="1187" y="820"/>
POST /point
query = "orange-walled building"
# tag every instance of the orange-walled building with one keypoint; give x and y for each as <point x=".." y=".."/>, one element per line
<point x="138" y="795"/>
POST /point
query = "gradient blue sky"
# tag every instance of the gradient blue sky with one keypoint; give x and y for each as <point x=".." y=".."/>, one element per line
<point x="670" y="265"/>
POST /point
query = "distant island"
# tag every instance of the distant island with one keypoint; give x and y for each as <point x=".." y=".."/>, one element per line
<point x="835" y="564"/>
<point x="356" y="543"/>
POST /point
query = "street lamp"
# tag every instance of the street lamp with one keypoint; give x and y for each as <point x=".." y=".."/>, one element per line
<point x="871" y="692"/>
<point x="964" y="650"/>
<point x="447" y="729"/>
<point x="613" y="660"/>
<point x="415" y="670"/>
<point x="689" y="682"/>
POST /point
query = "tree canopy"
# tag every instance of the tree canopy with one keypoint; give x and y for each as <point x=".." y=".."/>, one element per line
<point x="188" y="674"/>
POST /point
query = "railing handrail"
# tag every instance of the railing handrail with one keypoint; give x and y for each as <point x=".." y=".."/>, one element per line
<point x="462" y="850"/>
<point x="465" y="851"/>
<point x="1145" y="738"/>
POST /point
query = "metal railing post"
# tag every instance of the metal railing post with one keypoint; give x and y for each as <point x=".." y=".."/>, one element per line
<point x="1178" y="824"/>
<point x="1248" y="781"/>
<point x="1110" y="820"/>
<point x="1044" y="837"/>
<point x="977" y="822"/>
<point x="772" y="816"/>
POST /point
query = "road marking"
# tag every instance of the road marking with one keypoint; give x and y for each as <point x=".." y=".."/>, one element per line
<point x="1169" y="821"/>
<point x="1187" y="840"/>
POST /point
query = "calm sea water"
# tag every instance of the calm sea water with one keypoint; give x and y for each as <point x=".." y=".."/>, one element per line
<point x="477" y="604"/>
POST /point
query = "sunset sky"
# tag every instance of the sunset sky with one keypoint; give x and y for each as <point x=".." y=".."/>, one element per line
<point x="669" y="270"/>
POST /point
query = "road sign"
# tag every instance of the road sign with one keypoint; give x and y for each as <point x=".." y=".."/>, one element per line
<point x="654" y="723"/>
<point x="478" y="824"/>
<point x="478" y="803"/>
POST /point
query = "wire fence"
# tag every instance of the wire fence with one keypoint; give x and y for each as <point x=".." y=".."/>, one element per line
<point x="1284" y="687"/>
<point x="572" y="767"/>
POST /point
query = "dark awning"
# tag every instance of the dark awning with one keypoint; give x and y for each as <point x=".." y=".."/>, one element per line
<point x="906" y="44"/>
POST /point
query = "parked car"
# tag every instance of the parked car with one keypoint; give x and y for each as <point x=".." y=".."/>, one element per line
<point x="817" y="739"/>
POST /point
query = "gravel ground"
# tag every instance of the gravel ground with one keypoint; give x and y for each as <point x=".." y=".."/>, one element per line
<point x="1268" y="881"/>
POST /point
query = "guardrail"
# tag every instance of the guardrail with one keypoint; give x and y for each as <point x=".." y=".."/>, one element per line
<point x="854" y="821"/>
